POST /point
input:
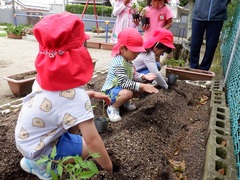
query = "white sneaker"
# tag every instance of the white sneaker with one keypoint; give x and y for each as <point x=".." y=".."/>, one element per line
<point x="129" y="106"/>
<point x="113" y="114"/>
<point x="31" y="167"/>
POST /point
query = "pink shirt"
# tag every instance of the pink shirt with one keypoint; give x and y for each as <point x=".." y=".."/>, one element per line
<point x="158" y="18"/>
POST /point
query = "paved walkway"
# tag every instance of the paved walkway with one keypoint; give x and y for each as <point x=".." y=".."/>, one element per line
<point x="18" y="56"/>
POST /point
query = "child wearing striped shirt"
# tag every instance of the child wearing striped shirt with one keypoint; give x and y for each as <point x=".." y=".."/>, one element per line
<point x="122" y="81"/>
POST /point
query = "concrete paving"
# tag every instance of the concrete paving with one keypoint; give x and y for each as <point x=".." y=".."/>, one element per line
<point x="18" y="56"/>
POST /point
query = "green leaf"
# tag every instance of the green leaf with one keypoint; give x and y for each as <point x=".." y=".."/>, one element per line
<point x="42" y="160"/>
<point x="49" y="165"/>
<point x="87" y="174"/>
<point x="60" y="170"/>
<point x="53" y="153"/>
<point x="54" y="175"/>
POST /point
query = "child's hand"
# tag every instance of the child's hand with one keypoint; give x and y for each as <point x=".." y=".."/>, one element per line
<point x="145" y="27"/>
<point x="149" y="77"/>
<point x="136" y="21"/>
<point x="148" y="88"/>
<point x="98" y="95"/>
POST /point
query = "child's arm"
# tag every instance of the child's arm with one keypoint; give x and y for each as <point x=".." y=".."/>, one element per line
<point x="98" y="95"/>
<point x="95" y="144"/>
<point x="119" y="6"/>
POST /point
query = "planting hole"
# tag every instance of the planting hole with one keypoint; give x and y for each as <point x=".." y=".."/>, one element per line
<point x="149" y="111"/>
<point x="220" y="152"/>
<point x="222" y="110"/>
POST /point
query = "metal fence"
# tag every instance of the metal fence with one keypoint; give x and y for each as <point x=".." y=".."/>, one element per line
<point x="230" y="50"/>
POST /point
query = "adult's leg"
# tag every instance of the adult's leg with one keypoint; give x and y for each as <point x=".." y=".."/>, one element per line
<point x="212" y="36"/>
<point x="198" y="29"/>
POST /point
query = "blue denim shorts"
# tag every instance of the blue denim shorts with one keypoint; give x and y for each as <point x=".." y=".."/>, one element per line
<point x="113" y="93"/>
<point x="69" y="145"/>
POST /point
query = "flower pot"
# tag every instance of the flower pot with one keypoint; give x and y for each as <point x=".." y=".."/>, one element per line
<point x="15" y="36"/>
<point x="136" y="16"/>
<point x="145" y="20"/>
<point x="91" y="44"/>
<point x="107" y="46"/>
<point x="172" y="79"/>
<point x="189" y="73"/>
<point x="21" y="84"/>
<point x="101" y="124"/>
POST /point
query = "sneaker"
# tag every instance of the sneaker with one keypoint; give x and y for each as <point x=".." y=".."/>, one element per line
<point x="113" y="114"/>
<point x="37" y="169"/>
<point x="129" y="106"/>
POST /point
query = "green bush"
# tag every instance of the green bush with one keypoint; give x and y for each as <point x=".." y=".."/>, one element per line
<point x="12" y="29"/>
<point x="78" y="9"/>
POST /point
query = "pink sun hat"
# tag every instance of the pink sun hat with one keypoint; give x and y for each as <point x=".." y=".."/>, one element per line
<point x="130" y="38"/>
<point x="160" y="35"/>
<point x="62" y="62"/>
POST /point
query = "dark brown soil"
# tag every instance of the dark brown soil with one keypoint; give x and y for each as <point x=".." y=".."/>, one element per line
<point x="166" y="133"/>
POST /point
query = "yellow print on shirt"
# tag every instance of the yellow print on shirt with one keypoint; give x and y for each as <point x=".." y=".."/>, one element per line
<point x="46" y="105"/>
<point x="69" y="94"/>
<point x="69" y="120"/>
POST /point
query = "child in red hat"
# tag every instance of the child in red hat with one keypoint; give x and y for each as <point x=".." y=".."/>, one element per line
<point x="123" y="81"/>
<point x="147" y="62"/>
<point x="58" y="105"/>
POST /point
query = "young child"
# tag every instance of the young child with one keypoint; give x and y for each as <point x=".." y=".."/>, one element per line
<point x="161" y="41"/>
<point x="160" y="16"/>
<point x="121" y="82"/>
<point x="123" y="10"/>
<point x="58" y="105"/>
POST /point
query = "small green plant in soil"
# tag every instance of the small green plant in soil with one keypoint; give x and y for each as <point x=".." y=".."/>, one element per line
<point x="79" y="169"/>
<point x="175" y="62"/>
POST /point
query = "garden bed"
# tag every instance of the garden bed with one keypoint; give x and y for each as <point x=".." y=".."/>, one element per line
<point x="164" y="139"/>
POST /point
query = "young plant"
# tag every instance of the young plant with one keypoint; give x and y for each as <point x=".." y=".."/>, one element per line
<point x="12" y="29"/>
<point x="80" y="169"/>
<point x="101" y="109"/>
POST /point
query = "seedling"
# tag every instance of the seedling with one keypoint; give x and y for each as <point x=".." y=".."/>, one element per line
<point x="79" y="169"/>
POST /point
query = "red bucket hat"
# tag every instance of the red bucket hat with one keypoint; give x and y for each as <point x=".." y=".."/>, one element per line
<point x="130" y="38"/>
<point x="62" y="62"/>
<point x="160" y="35"/>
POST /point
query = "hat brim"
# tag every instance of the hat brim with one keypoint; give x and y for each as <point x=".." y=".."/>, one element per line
<point x="136" y="48"/>
<point x="116" y="47"/>
<point x="150" y="43"/>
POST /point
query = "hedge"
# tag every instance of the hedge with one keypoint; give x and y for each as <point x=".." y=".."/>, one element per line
<point x="78" y="9"/>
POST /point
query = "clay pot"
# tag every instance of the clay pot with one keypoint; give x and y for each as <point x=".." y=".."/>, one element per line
<point x="101" y="124"/>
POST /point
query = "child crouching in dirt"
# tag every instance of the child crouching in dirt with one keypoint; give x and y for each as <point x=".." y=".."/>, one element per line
<point x="58" y="105"/>
<point x="122" y="80"/>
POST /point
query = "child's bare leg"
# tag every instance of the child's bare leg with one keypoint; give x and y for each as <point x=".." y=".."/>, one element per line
<point x="123" y="96"/>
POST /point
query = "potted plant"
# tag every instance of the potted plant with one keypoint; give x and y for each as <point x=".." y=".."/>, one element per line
<point x="135" y="12"/>
<point x="145" y="20"/>
<point x="15" y="32"/>
<point x="101" y="123"/>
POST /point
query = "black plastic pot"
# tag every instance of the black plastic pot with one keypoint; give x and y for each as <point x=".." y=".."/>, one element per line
<point x="101" y="124"/>
<point x="145" y="20"/>
<point x="136" y="16"/>
<point x="172" y="79"/>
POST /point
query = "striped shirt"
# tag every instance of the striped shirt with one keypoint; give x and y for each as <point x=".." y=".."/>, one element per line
<point x="123" y="74"/>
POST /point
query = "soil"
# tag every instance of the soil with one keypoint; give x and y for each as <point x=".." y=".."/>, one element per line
<point x="164" y="139"/>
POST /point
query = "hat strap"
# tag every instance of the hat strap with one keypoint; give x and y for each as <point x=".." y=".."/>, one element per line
<point x="53" y="53"/>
